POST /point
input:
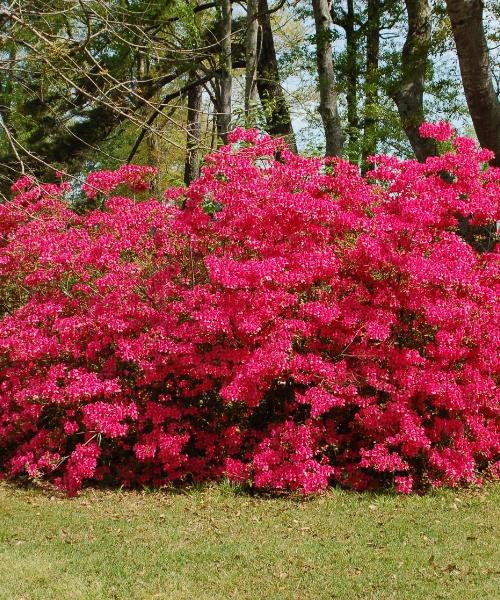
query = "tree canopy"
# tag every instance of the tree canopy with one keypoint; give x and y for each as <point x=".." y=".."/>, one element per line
<point x="88" y="83"/>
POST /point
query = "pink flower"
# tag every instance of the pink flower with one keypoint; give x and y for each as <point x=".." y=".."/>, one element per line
<point x="440" y="131"/>
<point x="404" y="485"/>
<point x="294" y="324"/>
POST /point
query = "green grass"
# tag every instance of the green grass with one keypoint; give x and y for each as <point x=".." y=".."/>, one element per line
<point x="214" y="542"/>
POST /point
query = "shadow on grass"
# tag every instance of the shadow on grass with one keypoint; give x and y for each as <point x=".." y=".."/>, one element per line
<point x="228" y="489"/>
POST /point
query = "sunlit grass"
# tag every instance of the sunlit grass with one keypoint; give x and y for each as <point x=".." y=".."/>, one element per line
<point x="216" y="542"/>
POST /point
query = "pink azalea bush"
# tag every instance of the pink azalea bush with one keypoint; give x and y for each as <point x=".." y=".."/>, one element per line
<point x="284" y="322"/>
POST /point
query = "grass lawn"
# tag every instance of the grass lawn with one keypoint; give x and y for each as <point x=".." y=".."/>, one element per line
<point x="215" y="542"/>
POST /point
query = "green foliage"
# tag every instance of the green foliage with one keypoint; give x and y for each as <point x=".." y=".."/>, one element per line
<point x="80" y="79"/>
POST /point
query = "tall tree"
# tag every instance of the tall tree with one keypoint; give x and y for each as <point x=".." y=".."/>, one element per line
<point x="251" y="47"/>
<point x="328" y="94"/>
<point x="466" y="18"/>
<point x="272" y="97"/>
<point x="352" y="72"/>
<point x="224" y="75"/>
<point x="193" y="132"/>
<point x="369" y="144"/>
<point x="408" y="93"/>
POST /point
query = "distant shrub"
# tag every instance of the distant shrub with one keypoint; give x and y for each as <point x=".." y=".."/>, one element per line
<point x="283" y="322"/>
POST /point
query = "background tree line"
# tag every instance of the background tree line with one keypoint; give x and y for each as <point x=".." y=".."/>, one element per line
<point x="95" y="83"/>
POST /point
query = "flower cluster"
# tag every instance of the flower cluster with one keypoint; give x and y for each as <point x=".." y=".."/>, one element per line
<point x="283" y="322"/>
<point x="133" y="176"/>
<point x="440" y="131"/>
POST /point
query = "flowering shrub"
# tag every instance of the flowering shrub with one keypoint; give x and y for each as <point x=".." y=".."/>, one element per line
<point x="283" y="322"/>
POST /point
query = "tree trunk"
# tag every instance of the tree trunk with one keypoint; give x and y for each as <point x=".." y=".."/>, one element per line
<point x="328" y="94"/>
<point x="6" y="88"/>
<point x="277" y="113"/>
<point x="224" y="77"/>
<point x="192" y="164"/>
<point x="153" y="153"/>
<point x="352" y="77"/>
<point x="9" y="172"/>
<point x="409" y="94"/>
<point x="466" y="18"/>
<point x="369" y="146"/>
<point x="251" y="41"/>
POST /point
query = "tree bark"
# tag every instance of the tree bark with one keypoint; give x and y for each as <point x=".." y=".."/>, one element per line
<point x="466" y="18"/>
<point x="193" y="130"/>
<point x="409" y="93"/>
<point x="224" y="76"/>
<point x="369" y="145"/>
<point x="153" y="153"/>
<point x="352" y="75"/>
<point x="251" y="41"/>
<point x="6" y="88"/>
<point x="277" y="113"/>
<point x="328" y="94"/>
